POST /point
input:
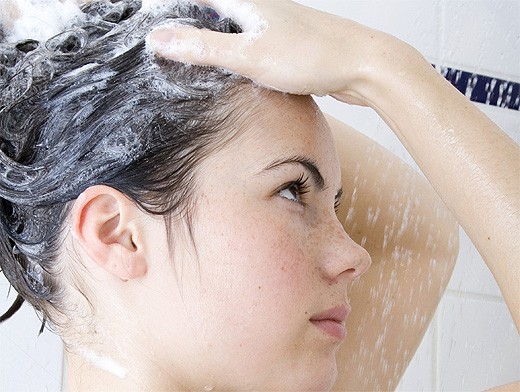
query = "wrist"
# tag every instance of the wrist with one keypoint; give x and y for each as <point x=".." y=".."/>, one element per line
<point x="385" y="68"/>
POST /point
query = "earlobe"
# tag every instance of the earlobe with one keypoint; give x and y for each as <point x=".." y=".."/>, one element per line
<point x="104" y="223"/>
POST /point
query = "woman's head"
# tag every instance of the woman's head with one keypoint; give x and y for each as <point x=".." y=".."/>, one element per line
<point x="243" y="300"/>
<point x="91" y="106"/>
<point x="176" y="218"/>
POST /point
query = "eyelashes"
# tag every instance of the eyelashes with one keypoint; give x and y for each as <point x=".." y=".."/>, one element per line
<point x="295" y="190"/>
<point x="337" y="203"/>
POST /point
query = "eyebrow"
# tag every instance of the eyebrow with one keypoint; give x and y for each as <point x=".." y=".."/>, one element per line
<point x="310" y="165"/>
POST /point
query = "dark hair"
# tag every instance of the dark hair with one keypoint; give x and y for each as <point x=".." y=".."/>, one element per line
<point x="92" y="106"/>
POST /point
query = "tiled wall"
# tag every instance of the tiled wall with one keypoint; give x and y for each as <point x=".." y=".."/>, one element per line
<point x="472" y="343"/>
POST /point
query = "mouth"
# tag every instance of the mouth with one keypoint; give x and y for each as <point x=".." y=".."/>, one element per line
<point x="332" y="321"/>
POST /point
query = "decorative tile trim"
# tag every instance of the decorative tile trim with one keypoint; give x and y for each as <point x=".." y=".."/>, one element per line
<point x="483" y="89"/>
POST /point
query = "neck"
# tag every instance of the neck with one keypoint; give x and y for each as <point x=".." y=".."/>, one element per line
<point x="92" y="370"/>
<point x="89" y="370"/>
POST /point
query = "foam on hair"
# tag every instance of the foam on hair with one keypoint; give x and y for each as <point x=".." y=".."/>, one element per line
<point x="37" y="19"/>
<point x="90" y="105"/>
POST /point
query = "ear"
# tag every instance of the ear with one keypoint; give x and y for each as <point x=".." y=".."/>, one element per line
<point x="104" y="223"/>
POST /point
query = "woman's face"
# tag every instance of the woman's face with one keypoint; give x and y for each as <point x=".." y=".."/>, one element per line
<point x="258" y="299"/>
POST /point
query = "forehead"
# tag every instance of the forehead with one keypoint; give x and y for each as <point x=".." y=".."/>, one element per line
<point x="281" y="126"/>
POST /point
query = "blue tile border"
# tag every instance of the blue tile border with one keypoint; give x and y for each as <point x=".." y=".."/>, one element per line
<point x="483" y="89"/>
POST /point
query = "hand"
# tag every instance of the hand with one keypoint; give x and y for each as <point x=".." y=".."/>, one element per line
<point x="295" y="49"/>
<point x="285" y="46"/>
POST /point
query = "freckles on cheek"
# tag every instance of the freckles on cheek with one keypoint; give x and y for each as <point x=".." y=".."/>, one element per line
<point x="288" y="267"/>
<point x="254" y="251"/>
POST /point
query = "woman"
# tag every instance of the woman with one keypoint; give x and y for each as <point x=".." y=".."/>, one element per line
<point x="244" y="286"/>
<point x="439" y="127"/>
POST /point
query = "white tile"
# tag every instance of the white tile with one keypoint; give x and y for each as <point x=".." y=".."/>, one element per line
<point x="419" y="375"/>
<point x="416" y="22"/>
<point x="482" y="36"/>
<point x="27" y="362"/>
<point x="479" y="346"/>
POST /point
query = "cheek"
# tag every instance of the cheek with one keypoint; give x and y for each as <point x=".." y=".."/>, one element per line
<point x="254" y="268"/>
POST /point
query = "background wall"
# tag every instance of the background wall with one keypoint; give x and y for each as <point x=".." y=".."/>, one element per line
<point x="472" y="343"/>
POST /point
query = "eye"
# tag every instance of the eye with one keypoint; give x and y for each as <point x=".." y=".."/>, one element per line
<point x="294" y="190"/>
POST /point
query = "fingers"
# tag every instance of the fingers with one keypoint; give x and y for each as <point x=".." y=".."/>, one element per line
<point x="204" y="47"/>
<point x="274" y="49"/>
<point x="196" y="46"/>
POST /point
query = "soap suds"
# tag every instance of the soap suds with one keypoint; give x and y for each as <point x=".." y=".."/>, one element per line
<point x="37" y="19"/>
<point x="245" y="14"/>
<point x="192" y="45"/>
<point x="104" y="363"/>
<point x="43" y="19"/>
<point x="155" y="7"/>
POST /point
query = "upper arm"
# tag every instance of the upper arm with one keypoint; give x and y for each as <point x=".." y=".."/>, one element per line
<point x="512" y="387"/>
<point x="395" y="214"/>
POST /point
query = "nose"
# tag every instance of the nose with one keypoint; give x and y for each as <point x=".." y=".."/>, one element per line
<point x="342" y="259"/>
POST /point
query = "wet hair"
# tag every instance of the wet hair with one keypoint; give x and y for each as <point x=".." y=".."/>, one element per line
<point x="92" y="106"/>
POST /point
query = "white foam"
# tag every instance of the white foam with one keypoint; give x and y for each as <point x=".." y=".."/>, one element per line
<point x="245" y="14"/>
<point x="77" y="71"/>
<point x="37" y="19"/>
<point x="192" y="45"/>
<point x="157" y="6"/>
<point x="104" y="363"/>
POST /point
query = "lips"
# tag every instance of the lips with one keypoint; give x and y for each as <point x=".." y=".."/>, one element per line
<point x="332" y="321"/>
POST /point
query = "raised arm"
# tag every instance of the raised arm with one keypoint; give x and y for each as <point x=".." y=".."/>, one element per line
<point x="470" y="162"/>
<point x="413" y="241"/>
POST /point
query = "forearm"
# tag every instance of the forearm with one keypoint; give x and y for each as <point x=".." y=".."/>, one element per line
<point x="471" y="163"/>
<point x="512" y="387"/>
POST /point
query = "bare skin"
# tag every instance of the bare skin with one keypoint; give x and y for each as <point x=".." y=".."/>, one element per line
<point x="403" y="264"/>
<point x="411" y="266"/>
<point x="409" y="271"/>
<point x="441" y="129"/>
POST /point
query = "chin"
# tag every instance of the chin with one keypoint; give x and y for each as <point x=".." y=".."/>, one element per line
<point x="320" y="379"/>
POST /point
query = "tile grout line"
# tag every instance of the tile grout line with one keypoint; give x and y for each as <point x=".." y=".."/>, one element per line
<point x="474" y="296"/>
<point x="435" y="354"/>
